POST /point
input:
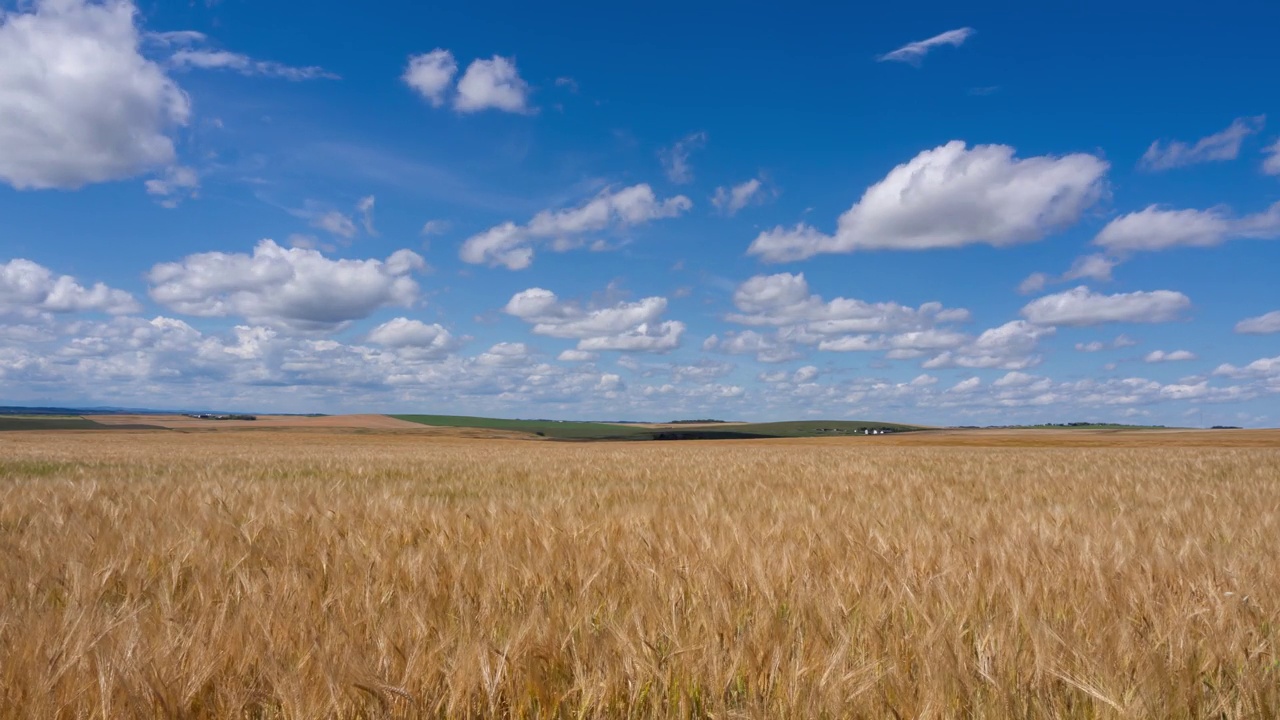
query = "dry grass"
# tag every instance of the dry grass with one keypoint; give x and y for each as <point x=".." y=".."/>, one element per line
<point x="307" y="575"/>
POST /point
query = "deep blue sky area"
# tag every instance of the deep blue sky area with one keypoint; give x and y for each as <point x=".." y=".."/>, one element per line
<point x="967" y="213"/>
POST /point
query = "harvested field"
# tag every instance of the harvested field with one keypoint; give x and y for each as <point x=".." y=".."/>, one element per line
<point x="291" y="574"/>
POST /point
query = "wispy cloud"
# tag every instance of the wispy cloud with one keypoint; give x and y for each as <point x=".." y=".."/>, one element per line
<point x="245" y="65"/>
<point x="913" y="53"/>
<point x="729" y="200"/>
<point x="1271" y="165"/>
<point x="1220" y="146"/>
<point x="675" y="159"/>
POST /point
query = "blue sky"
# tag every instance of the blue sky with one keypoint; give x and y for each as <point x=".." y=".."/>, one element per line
<point x="938" y="214"/>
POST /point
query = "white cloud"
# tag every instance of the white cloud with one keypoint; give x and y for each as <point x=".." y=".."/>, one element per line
<point x="1010" y="346"/>
<point x="405" y="333"/>
<point x="729" y="200"/>
<point x="675" y="159"/>
<point x="434" y="227"/>
<point x="297" y="288"/>
<point x="1271" y="165"/>
<point x="205" y="59"/>
<point x="335" y="222"/>
<point x="914" y="53"/>
<point x="784" y="300"/>
<point x="1158" y="356"/>
<point x="966" y="386"/>
<point x="749" y="342"/>
<point x="78" y="103"/>
<point x="506" y="354"/>
<point x="176" y="37"/>
<point x="1014" y="379"/>
<point x="1080" y="307"/>
<point x="1263" y="367"/>
<point x="131" y="360"/>
<point x="951" y="196"/>
<point x="365" y="207"/>
<point x="610" y="383"/>
<point x="1034" y="283"/>
<point x="507" y="245"/>
<point x="808" y="373"/>
<point x="324" y="217"/>
<point x="1261" y="325"/>
<point x="633" y="326"/>
<point x="176" y="183"/>
<point x="1223" y="145"/>
<point x="431" y="74"/>
<point x="492" y="84"/>
<point x="1157" y="228"/>
<point x="1092" y="267"/>
<point x="511" y="246"/>
<point x="572" y="355"/>
<point x="1121" y="341"/>
<point x="27" y="287"/>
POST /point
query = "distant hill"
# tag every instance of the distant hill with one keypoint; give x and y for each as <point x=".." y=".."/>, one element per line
<point x="51" y="421"/>
<point x="570" y="430"/>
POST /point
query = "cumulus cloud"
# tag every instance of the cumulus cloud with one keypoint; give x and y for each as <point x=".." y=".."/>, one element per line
<point x="1261" y="368"/>
<point x="512" y="246"/>
<point x="631" y="326"/>
<point x="784" y="301"/>
<point x="431" y="74"/>
<point x="915" y="52"/>
<point x="205" y="59"/>
<point x="953" y="196"/>
<point x="729" y="200"/>
<point x="79" y="104"/>
<point x="1157" y="228"/>
<point x="1081" y="307"/>
<point x="493" y="84"/>
<point x="405" y="333"/>
<point x="129" y="360"/>
<point x="296" y="288"/>
<point x="1011" y="346"/>
<point x="573" y="355"/>
<point x="27" y="287"/>
<point x="966" y="386"/>
<point x="765" y="348"/>
<point x="808" y="373"/>
<point x="1261" y="325"/>
<point x="675" y="159"/>
<point x="1224" y="145"/>
<point x="1159" y="356"/>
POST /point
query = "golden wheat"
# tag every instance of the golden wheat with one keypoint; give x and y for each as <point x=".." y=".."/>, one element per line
<point x="280" y="575"/>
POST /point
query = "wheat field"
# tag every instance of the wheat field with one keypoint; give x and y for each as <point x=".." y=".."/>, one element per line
<point x="347" y="575"/>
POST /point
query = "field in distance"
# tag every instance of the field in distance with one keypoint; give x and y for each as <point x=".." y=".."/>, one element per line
<point x="369" y="573"/>
<point x="568" y="430"/>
